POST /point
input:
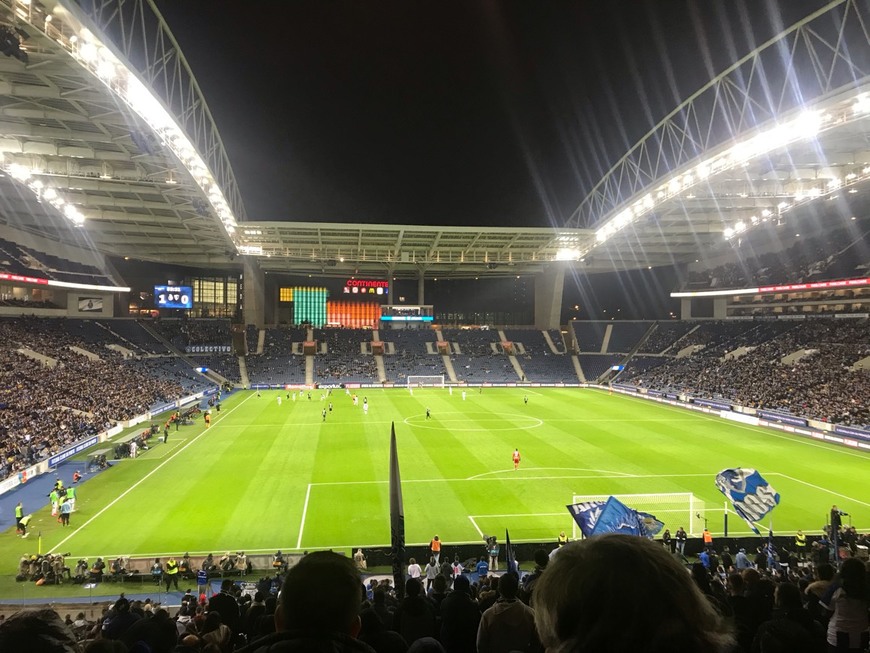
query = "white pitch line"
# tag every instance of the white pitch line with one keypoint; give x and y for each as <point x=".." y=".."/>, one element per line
<point x="476" y="527"/>
<point x="138" y="483"/>
<point x="304" y="512"/>
<point x="564" y="469"/>
<point x="564" y="513"/>
<point x="818" y="487"/>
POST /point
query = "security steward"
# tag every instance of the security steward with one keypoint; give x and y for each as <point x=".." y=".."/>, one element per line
<point x="563" y="539"/>
<point x="800" y="543"/>
<point x="170" y="574"/>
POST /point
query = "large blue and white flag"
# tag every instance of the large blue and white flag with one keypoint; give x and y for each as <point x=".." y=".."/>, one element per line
<point x="613" y="516"/>
<point x="751" y="496"/>
<point x="586" y="515"/>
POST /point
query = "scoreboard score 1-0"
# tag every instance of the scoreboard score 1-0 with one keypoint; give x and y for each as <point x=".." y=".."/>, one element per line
<point x="173" y="296"/>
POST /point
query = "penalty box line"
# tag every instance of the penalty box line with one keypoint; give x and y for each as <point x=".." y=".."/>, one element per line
<point x="509" y="474"/>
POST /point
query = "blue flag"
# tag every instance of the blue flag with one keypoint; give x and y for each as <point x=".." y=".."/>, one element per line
<point x="613" y="516"/>
<point x="512" y="565"/>
<point x="751" y="496"/>
<point x="586" y="515"/>
<point x="651" y="525"/>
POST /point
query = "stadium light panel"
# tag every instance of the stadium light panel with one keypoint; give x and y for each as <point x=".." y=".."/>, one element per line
<point x="100" y="60"/>
<point x="862" y="104"/>
<point x="568" y="254"/>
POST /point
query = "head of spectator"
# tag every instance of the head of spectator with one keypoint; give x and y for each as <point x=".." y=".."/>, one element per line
<point x="624" y="593"/>
<point x="462" y="584"/>
<point x="426" y="645"/>
<point x="37" y="631"/>
<point x="413" y="588"/>
<point x="788" y="598"/>
<point x="853" y="579"/>
<point x="158" y="634"/>
<point x="508" y="586"/>
<point x="105" y="646"/>
<point x="320" y="596"/>
<point x="825" y="571"/>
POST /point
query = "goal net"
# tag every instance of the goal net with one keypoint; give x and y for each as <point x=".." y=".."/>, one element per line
<point x="673" y="509"/>
<point x="426" y="381"/>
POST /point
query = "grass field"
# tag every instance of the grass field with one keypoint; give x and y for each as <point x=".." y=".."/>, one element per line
<point x="268" y="476"/>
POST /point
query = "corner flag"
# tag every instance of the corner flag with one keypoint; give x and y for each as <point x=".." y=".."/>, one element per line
<point x="751" y="496"/>
<point x="397" y="519"/>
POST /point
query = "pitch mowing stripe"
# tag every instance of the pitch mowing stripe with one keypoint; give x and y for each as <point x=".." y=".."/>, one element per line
<point x="140" y="481"/>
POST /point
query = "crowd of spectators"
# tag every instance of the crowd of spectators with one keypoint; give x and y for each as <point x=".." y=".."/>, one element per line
<point x="665" y="336"/>
<point x="19" y="302"/>
<point x="340" y="368"/>
<point x="819" y="385"/>
<point x="411" y="357"/>
<point x="343" y="341"/>
<point x="610" y="593"/>
<point x="45" y="408"/>
<point x="190" y="332"/>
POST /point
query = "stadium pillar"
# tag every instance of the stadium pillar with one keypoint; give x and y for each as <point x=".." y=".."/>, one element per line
<point x="421" y="287"/>
<point x="548" y="297"/>
<point x="685" y="308"/>
<point x="255" y="293"/>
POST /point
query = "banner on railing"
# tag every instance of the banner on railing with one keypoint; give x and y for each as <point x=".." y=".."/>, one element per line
<point x="853" y="431"/>
<point x="709" y="403"/>
<point x="208" y="349"/>
<point x="78" y="447"/>
<point x="781" y="417"/>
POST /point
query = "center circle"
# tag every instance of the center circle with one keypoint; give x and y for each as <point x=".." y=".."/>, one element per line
<point x="465" y="422"/>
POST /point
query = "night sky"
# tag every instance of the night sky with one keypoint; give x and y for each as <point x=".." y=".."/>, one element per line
<point x="452" y="113"/>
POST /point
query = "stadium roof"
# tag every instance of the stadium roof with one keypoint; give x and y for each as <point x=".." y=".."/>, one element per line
<point x="90" y="155"/>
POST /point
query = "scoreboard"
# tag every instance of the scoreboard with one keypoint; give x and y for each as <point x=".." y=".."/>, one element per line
<point x="403" y="313"/>
<point x="173" y="296"/>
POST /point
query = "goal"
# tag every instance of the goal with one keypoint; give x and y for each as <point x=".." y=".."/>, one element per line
<point x="426" y="381"/>
<point x="673" y="509"/>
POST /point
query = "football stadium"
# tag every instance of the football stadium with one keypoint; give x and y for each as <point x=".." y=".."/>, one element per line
<point x="221" y="429"/>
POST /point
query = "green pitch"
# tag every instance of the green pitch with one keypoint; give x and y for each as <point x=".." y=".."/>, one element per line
<point x="267" y="476"/>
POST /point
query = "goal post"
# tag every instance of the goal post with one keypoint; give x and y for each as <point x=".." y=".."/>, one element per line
<point x="434" y="381"/>
<point x="673" y="509"/>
